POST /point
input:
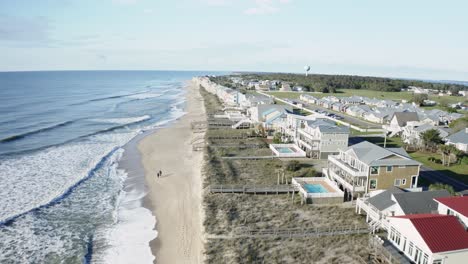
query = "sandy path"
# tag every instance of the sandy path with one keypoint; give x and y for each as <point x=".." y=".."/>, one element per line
<point x="175" y="198"/>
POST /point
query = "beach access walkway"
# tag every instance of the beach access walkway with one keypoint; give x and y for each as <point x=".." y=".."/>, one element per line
<point x="252" y="189"/>
<point x="295" y="232"/>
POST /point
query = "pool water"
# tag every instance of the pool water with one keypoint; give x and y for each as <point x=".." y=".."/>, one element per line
<point x="285" y="150"/>
<point x="315" y="188"/>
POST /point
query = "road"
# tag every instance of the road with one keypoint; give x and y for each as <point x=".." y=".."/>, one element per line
<point x="437" y="176"/>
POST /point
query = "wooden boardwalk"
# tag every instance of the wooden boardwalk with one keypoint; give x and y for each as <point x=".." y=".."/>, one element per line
<point x="250" y="157"/>
<point x="252" y="189"/>
<point x="299" y="232"/>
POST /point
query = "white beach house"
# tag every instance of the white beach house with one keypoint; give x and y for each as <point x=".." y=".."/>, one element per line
<point x="321" y="137"/>
<point x="429" y="238"/>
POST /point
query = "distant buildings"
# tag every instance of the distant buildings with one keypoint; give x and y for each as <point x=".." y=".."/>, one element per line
<point x="459" y="140"/>
<point x="399" y="120"/>
<point x="412" y="133"/>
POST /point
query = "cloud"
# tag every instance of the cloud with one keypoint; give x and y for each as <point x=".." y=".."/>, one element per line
<point x="265" y="7"/>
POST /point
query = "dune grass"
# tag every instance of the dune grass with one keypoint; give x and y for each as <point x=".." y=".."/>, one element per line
<point x="225" y="213"/>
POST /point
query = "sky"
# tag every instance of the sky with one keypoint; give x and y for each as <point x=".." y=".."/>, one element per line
<point x="399" y="38"/>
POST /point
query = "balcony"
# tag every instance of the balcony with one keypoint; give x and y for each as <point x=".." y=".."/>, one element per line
<point x="340" y="179"/>
<point x="346" y="167"/>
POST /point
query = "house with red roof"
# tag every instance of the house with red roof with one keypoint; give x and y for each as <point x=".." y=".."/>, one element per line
<point x="456" y="206"/>
<point x="429" y="238"/>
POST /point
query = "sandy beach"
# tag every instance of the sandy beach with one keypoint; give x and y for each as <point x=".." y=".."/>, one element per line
<point x="175" y="198"/>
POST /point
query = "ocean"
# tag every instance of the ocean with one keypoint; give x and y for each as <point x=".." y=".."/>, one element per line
<point x="62" y="135"/>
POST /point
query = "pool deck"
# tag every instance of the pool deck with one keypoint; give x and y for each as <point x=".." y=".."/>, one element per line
<point x="295" y="152"/>
<point x="333" y="194"/>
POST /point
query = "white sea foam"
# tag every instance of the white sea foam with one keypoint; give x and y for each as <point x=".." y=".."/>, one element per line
<point x="128" y="239"/>
<point x="123" y="121"/>
<point x="41" y="177"/>
<point x="143" y="96"/>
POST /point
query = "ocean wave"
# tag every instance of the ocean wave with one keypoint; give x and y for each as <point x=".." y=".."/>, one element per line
<point x="110" y="97"/>
<point x="123" y="120"/>
<point x="113" y="128"/>
<point x="128" y="238"/>
<point x="144" y="96"/>
<point x="37" y="131"/>
<point x="45" y="177"/>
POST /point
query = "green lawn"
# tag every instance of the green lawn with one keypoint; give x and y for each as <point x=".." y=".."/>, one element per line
<point x="456" y="171"/>
<point x="393" y="142"/>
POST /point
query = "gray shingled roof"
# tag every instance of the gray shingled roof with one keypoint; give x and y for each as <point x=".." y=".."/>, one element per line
<point x="404" y="117"/>
<point x="383" y="200"/>
<point x="419" y="202"/>
<point x="326" y="126"/>
<point x="372" y="154"/>
<point x="459" y="137"/>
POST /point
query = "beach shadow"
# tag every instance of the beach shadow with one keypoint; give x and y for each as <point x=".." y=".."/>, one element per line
<point x="166" y="175"/>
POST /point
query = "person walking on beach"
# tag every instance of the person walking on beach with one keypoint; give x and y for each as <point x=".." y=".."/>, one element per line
<point x="160" y="173"/>
<point x="157" y="174"/>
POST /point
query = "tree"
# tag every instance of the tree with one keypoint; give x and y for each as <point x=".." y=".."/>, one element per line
<point x="448" y="151"/>
<point x="325" y="90"/>
<point x="419" y="98"/>
<point x="431" y="138"/>
<point x="440" y="186"/>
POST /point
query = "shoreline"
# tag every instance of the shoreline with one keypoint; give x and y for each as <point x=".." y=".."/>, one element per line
<point x="175" y="199"/>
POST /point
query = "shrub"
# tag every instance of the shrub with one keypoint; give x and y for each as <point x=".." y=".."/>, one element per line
<point x="293" y="165"/>
<point x="311" y="173"/>
<point x="438" y="161"/>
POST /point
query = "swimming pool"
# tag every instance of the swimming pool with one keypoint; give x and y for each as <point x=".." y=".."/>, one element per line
<point x="285" y="150"/>
<point x="315" y="188"/>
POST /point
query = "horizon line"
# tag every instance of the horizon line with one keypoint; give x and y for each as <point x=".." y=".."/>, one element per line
<point x="246" y="71"/>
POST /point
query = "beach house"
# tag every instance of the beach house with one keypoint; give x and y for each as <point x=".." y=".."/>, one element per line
<point x="293" y="123"/>
<point x="398" y="121"/>
<point x="322" y="137"/>
<point x="429" y="238"/>
<point x="270" y="116"/>
<point x="412" y="133"/>
<point x="380" y="205"/>
<point x="459" y="140"/>
<point x="366" y="167"/>
<point x="456" y="206"/>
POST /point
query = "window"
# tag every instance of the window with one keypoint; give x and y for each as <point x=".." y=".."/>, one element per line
<point x="410" y="249"/>
<point x="373" y="184"/>
<point x="425" y="259"/>
<point x="437" y="261"/>
<point x="397" y="238"/>
<point x="374" y="170"/>
<point x="403" y="182"/>
<point x="389" y="168"/>
<point x="397" y="182"/>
